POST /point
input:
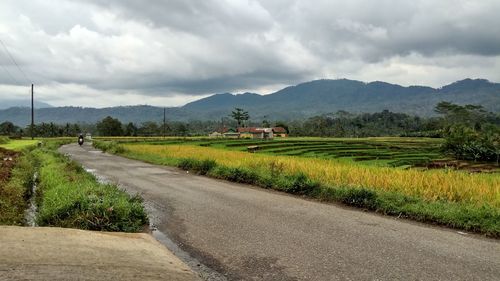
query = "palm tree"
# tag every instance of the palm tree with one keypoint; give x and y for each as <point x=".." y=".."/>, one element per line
<point x="239" y="115"/>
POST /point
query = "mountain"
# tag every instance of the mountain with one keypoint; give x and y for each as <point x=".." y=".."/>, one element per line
<point x="294" y="102"/>
<point x="326" y="96"/>
<point x="8" y="103"/>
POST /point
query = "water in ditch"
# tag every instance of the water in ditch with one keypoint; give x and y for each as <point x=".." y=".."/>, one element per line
<point x="30" y="213"/>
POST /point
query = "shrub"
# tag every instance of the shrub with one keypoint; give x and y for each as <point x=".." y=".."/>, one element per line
<point x="201" y="167"/>
<point x="360" y="197"/>
<point x="109" y="146"/>
<point x="240" y="175"/>
<point x="186" y="164"/>
<point x="300" y="184"/>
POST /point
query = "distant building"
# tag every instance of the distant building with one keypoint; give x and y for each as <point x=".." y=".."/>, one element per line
<point x="280" y="132"/>
<point x="249" y="133"/>
<point x="256" y="133"/>
<point x="230" y="133"/>
<point x="215" y="134"/>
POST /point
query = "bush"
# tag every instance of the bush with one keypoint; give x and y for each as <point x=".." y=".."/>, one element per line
<point x="239" y="175"/>
<point x="300" y="184"/>
<point x="362" y="198"/>
<point x="109" y="146"/>
<point x="201" y="167"/>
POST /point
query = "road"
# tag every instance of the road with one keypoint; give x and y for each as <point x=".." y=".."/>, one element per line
<point x="248" y="233"/>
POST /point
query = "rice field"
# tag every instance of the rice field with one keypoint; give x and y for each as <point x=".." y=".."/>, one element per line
<point x="335" y="162"/>
<point x="392" y="152"/>
<point x="18" y="145"/>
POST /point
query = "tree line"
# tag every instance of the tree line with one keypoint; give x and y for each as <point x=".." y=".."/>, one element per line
<point x="469" y="131"/>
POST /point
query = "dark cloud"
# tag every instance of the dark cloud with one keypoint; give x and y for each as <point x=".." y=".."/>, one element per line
<point x="165" y="49"/>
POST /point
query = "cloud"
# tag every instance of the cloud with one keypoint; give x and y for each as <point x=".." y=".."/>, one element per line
<point x="174" y="51"/>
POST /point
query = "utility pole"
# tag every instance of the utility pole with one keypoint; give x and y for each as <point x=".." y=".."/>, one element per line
<point x="32" y="115"/>
<point x="164" y="122"/>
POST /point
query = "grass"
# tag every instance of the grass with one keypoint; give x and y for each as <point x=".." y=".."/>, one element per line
<point x="67" y="195"/>
<point x="18" y="145"/>
<point x="452" y="198"/>
<point x="15" y="188"/>
<point x="71" y="197"/>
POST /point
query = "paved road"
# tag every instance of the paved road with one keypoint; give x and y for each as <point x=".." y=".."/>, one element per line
<point x="253" y="234"/>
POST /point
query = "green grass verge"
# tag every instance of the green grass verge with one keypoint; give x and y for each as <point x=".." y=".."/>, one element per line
<point x="18" y="145"/>
<point x="70" y="197"/>
<point x="15" y="191"/>
<point x="483" y="219"/>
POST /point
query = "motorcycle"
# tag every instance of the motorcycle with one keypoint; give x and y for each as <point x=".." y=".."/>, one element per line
<point x="80" y="140"/>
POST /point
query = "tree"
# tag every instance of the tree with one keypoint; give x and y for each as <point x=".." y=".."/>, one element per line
<point x="470" y="133"/>
<point x="182" y="129"/>
<point x="109" y="126"/>
<point x="239" y="115"/>
<point x="469" y="115"/>
<point x="283" y="125"/>
<point x="131" y="130"/>
<point x="7" y="128"/>
<point x="265" y="123"/>
<point x="149" y="128"/>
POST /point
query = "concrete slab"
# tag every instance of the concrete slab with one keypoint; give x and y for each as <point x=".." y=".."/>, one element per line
<point x="43" y="253"/>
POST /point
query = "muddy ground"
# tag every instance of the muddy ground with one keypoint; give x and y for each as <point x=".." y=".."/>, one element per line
<point x="7" y="162"/>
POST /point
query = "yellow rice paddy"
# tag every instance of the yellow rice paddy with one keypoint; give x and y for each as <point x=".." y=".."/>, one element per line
<point x="431" y="185"/>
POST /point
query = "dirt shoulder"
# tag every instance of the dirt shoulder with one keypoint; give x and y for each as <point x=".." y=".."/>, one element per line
<point x="44" y="253"/>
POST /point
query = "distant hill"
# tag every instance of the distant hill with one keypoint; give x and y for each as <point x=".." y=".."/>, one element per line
<point x="8" y="103"/>
<point x="300" y="101"/>
<point x="69" y="114"/>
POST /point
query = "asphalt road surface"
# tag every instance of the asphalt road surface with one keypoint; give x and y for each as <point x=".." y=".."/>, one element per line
<point x="248" y="233"/>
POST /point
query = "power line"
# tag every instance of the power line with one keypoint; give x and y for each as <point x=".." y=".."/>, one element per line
<point x="14" y="61"/>
<point x="8" y="74"/>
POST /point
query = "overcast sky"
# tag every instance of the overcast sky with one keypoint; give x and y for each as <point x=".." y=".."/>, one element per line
<point x="167" y="53"/>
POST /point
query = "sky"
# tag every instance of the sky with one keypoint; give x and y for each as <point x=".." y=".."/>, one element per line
<point x="99" y="53"/>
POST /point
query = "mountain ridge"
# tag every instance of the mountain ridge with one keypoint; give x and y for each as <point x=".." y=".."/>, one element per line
<point x="293" y="102"/>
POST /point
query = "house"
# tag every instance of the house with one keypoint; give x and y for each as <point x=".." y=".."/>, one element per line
<point x="231" y="134"/>
<point x="224" y="132"/>
<point x="255" y="133"/>
<point x="280" y="132"/>
<point x="215" y="134"/>
<point x="249" y="133"/>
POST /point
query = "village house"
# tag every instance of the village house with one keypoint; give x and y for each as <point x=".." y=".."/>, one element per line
<point x="249" y="133"/>
<point x="224" y="132"/>
<point x="255" y="133"/>
<point x="280" y="132"/>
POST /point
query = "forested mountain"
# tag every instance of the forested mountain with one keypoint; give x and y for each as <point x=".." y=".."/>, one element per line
<point x="326" y="96"/>
<point x="295" y="102"/>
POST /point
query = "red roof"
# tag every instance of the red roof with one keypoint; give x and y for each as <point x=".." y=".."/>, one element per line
<point x="222" y="130"/>
<point x="253" y="130"/>
<point x="279" y="130"/>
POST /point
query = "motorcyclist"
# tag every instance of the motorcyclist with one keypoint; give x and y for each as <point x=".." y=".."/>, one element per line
<point x="80" y="140"/>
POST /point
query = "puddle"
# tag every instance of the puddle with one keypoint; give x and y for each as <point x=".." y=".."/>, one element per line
<point x="30" y="213"/>
<point x="99" y="178"/>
